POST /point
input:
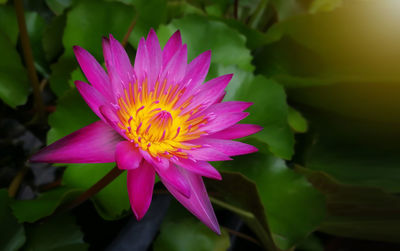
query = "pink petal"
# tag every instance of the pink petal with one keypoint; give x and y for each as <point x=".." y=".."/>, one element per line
<point x="112" y="120"/>
<point x="155" y="57"/>
<point x="198" y="203"/>
<point x="94" y="143"/>
<point x="225" y="107"/>
<point x="140" y="183"/>
<point x="209" y="93"/>
<point x="121" y="61"/>
<point x="116" y="84"/>
<point x="141" y="61"/>
<point x="237" y="131"/>
<point x="93" y="71"/>
<point x="223" y="121"/>
<point x="202" y="168"/>
<point x="197" y="70"/>
<point x="175" y="70"/>
<point x="207" y="154"/>
<point x="91" y="96"/>
<point x="174" y="178"/>
<point x="127" y="156"/>
<point x="228" y="147"/>
<point x="171" y="47"/>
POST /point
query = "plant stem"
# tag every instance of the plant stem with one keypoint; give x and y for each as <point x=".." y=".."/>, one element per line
<point x="235" y="9"/>
<point x="93" y="190"/>
<point x="242" y="235"/>
<point x="28" y="56"/>
<point x="128" y="33"/>
<point x="16" y="182"/>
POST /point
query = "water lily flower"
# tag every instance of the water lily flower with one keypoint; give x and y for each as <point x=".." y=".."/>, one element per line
<point x="157" y="117"/>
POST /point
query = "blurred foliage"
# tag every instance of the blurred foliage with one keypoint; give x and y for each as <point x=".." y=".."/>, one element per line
<point x="13" y="233"/>
<point x="322" y="75"/>
<point x="180" y="231"/>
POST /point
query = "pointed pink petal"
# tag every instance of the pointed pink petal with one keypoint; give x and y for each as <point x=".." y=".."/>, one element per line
<point x="237" y="131"/>
<point x="223" y="121"/>
<point x="175" y="70"/>
<point x="198" y="203"/>
<point x="94" y="143"/>
<point x="155" y="56"/>
<point x="222" y="108"/>
<point x="91" y="96"/>
<point x="121" y="61"/>
<point x="174" y="178"/>
<point x="228" y="147"/>
<point x="127" y="156"/>
<point x="207" y="154"/>
<point x="140" y="183"/>
<point x="93" y="71"/>
<point x="116" y="84"/>
<point x="141" y="61"/>
<point x="209" y="93"/>
<point x="171" y="47"/>
<point x="197" y="70"/>
<point x="202" y="168"/>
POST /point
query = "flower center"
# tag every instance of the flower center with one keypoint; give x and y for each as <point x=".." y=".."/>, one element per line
<point x="157" y="121"/>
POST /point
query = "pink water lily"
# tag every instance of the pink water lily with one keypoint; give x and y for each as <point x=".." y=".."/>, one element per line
<point x="157" y="117"/>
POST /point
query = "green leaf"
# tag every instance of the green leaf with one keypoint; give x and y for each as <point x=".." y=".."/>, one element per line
<point x="8" y="23"/>
<point x="72" y="114"/>
<point x="57" y="233"/>
<point x="180" y="232"/>
<point x="52" y="38"/>
<point x="150" y="14"/>
<point x="180" y="9"/>
<point x="58" y="6"/>
<point x="357" y="211"/>
<point x="92" y="14"/>
<point x="223" y="41"/>
<point x="355" y="152"/>
<point x="254" y="38"/>
<point x="43" y="205"/>
<point x="282" y="190"/>
<point x="245" y="202"/>
<point x="35" y="25"/>
<point x="14" y="88"/>
<point x="269" y="110"/>
<point x="12" y="233"/>
<point x="112" y="202"/>
<point x="297" y="121"/>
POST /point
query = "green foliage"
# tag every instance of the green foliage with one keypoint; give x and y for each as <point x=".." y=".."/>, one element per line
<point x="43" y="205"/>
<point x="12" y="233"/>
<point x="85" y="28"/>
<point x="50" y="236"/>
<point x="245" y="202"/>
<point x="281" y="190"/>
<point x="223" y="41"/>
<point x="326" y="162"/>
<point x="180" y="232"/>
<point x="112" y="202"/>
<point x="72" y="114"/>
<point x="375" y="218"/>
<point x="14" y="86"/>
<point x="296" y="121"/>
<point x="269" y="110"/>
